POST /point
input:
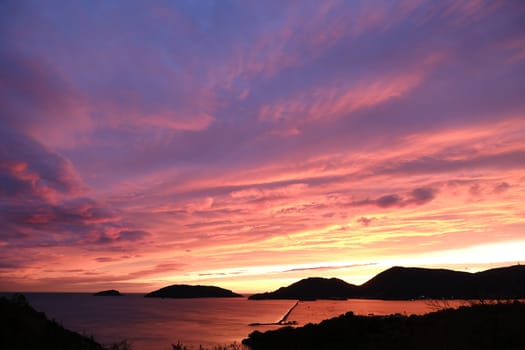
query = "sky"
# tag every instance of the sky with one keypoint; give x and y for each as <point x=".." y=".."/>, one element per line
<point x="249" y="144"/>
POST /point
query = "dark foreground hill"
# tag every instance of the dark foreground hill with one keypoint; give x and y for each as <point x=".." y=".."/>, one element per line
<point x="405" y="283"/>
<point x="480" y="327"/>
<point x="23" y="328"/>
<point x="187" y="291"/>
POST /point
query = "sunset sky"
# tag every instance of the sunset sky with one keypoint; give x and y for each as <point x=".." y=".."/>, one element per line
<point x="250" y="144"/>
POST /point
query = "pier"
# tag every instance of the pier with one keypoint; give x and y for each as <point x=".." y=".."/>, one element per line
<point x="282" y="321"/>
<point x="285" y="317"/>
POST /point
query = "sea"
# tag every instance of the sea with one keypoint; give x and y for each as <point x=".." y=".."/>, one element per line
<point x="155" y="323"/>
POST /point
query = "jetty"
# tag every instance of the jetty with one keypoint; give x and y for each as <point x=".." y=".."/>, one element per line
<point x="283" y="321"/>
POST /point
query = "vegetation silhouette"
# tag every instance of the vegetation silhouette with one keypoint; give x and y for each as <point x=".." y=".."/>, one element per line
<point x="480" y="327"/>
<point x="22" y="328"/>
<point x="232" y="346"/>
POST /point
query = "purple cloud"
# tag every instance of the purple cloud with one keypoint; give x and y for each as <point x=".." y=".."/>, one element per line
<point x="29" y="170"/>
<point x="132" y="236"/>
<point x="365" y="221"/>
<point x="421" y="196"/>
<point x="418" y="196"/>
<point x="388" y="201"/>
<point x="502" y="187"/>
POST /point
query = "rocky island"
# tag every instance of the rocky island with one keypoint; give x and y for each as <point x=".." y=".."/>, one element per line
<point x="189" y="291"/>
<point x="108" y="293"/>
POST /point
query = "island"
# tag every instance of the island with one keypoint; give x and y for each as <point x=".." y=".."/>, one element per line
<point x="407" y="283"/>
<point x="190" y="291"/>
<point x="108" y="293"/>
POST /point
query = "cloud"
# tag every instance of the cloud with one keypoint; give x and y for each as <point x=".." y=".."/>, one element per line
<point x="182" y="123"/>
<point x="42" y="202"/>
<point x="103" y="259"/>
<point x="328" y="103"/>
<point x="329" y="267"/>
<point x="157" y="269"/>
<point x="34" y="171"/>
<point x="422" y="195"/>
<point x="442" y="163"/>
<point x="417" y="196"/>
<point x="132" y="236"/>
<point x="363" y="220"/>
<point x="501" y="187"/>
<point x="34" y="90"/>
<point x="115" y="240"/>
<point x="270" y="192"/>
<point x="11" y="263"/>
<point x="388" y="201"/>
<point x="75" y="212"/>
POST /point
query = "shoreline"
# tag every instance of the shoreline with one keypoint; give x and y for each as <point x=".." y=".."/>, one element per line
<point x="499" y="320"/>
<point x="480" y="326"/>
<point x="74" y="312"/>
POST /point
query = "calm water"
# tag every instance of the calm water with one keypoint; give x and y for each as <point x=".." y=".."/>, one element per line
<point x="154" y="324"/>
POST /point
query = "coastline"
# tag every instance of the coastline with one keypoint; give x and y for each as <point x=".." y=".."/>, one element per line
<point x="480" y="326"/>
<point x="463" y="322"/>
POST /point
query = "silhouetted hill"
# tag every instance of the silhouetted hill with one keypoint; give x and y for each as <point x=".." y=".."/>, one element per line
<point x="187" y="291"/>
<point x="412" y="283"/>
<point x="312" y="288"/>
<point x="108" y="293"/>
<point x="23" y="328"/>
<point x="404" y="283"/>
<point x="480" y="327"/>
<point x="501" y="283"/>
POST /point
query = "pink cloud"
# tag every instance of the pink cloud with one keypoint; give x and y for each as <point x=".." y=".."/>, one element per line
<point x="517" y="47"/>
<point x="328" y="103"/>
<point x="183" y="123"/>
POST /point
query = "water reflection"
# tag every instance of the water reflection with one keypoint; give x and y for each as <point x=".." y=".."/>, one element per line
<point x="151" y="323"/>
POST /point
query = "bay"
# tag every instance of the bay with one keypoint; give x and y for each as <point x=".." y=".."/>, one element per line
<point x="155" y="324"/>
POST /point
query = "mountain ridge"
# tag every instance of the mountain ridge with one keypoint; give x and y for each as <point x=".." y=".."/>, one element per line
<point x="311" y="288"/>
<point x="405" y="283"/>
